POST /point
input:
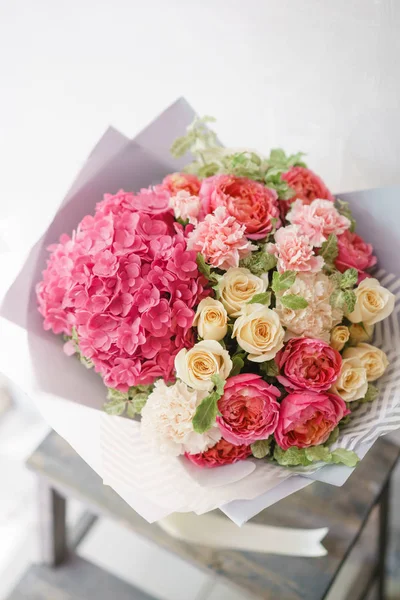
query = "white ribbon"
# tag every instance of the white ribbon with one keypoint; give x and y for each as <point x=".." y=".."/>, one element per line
<point x="218" y="532"/>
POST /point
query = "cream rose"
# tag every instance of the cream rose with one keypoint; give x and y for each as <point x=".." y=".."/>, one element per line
<point x="196" y="366"/>
<point x="352" y="383"/>
<point x="374" y="360"/>
<point x="237" y="286"/>
<point x="374" y="303"/>
<point x="360" y="333"/>
<point x="339" y="337"/>
<point x="259" y="332"/>
<point x="211" y="319"/>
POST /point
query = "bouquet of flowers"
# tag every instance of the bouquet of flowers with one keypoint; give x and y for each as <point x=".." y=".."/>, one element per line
<point x="230" y="307"/>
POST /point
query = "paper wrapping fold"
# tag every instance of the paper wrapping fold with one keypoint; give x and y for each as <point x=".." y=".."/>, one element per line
<point x="68" y="395"/>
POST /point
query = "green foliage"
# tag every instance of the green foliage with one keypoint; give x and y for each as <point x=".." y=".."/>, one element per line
<point x="269" y="368"/>
<point x="306" y="456"/>
<point x="205" y="269"/>
<point x="244" y="164"/>
<point x="129" y="403"/>
<point x="294" y="302"/>
<point x="206" y="412"/>
<point x="344" y="209"/>
<point x="372" y="393"/>
<point x="115" y="407"/>
<point x="329" y="249"/>
<point x="349" y="279"/>
<point x="262" y="298"/>
<point x="198" y="137"/>
<point x="237" y="364"/>
<point x="283" y="281"/>
<point x="262" y="448"/>
<point x="333" y="437"/>
<point x="259" y="262"/>
<point x="279" y="160"/>
<point x="343" y="299"/>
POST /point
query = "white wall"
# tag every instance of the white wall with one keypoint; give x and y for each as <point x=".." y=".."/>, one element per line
<point x="317" y="75"/>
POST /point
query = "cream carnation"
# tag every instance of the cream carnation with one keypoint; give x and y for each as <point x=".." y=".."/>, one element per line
<point x="372" y="359"/>
<point x="237" y="286"/>
<point x="211" y="320"/>
<point x="374" y="303"/>
<point x="318" y="318"/>
<point x="167" y="420"/>
<point x="352" y="383"/>
<point x="196" y="366"/>
<point x="259" y="332"/>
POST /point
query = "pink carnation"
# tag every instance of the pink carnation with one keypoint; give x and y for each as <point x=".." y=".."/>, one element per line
<point x="317" y="220"/>
<point x="308" y="364"/>
<point x="250" y="202"/>
<point x="308" y="418"/>
<point x="185" y="206"/>
<point x="294" y="252"/>
<point x="249" y="409"/>
<point x="223" y="453"/>
<point x="354" y="252"/>
<point x="220" y="239"/>
<point x="127" y="284"/>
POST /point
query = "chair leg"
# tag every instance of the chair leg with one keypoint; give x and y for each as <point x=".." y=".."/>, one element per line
<point x="52" y="525"/>
<point x="384" y="516"/>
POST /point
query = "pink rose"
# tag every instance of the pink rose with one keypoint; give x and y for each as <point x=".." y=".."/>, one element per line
<point x="307" y="186"/>
<point x="249" y="409"/>
<point x="308" y="418"/>
<point x="294" y="251"/>
<point x="308" y="364"/>
<point x="176" y="182"/>
<point x="223" y="453"/>
<point x="250" y="202"/>
<point x="318" y="220"/>
<point x="220" y="239"/>
<point x="354" y="252"/>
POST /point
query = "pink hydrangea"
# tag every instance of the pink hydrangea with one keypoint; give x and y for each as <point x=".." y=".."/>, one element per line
<point x="127" y="283"/>
<point x="221" y="239"/>
<point x="294" y="251"/>
<point x="317" y="220"/>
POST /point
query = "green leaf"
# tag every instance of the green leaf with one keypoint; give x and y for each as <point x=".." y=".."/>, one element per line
<point x="350" y="300"/>
<point x="329" y="249"/>
<point x="115" y="407"/>
<point x="344" y="209"/>
<point x="270" y="367"/>
<point x="237" y="365"/>
<point x="130" y="411"/>
<point x="372" y="393"/>
<point x="318" y="453"/>
<point x="205" y="269"/>
<point x="349" y="279"/>
<point x="294" y="302"/>
<point x="262" y="448"/>
<point x="336" y="299"/>
<point x="259" y="262"/>
<point x="292" y="457"/>
<point x="116" y="395"/>
<point x="208" y="170"/>
<point x="283" y="281"/>
<point x="345" y="457"/>
<point x="219" y="384"/>
<point x="182" y="145"/>
<point x="263" y="298"/>
<point x="333" y="437"/>
<point x="206" y="413"/>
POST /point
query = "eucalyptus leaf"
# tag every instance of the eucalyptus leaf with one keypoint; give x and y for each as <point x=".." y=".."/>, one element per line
<point x="293" y="302"/>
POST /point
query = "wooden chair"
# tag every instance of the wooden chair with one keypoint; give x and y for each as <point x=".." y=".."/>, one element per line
<point x="63" y="475"/>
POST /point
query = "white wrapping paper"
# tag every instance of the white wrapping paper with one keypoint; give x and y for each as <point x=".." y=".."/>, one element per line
<point x="70" y="396"/>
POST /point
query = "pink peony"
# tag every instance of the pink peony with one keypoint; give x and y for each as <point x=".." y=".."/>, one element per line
<point x="185" y="206"/>
<point x="223" y="453"/>
<point x="308" y="418"/>
<point x="354" y="252"/>
<point x="317" y="220"/>
<point x="127" y="284"/>
<point x="308" y="364"/>
<point x="176" y="182"/>
<point x="221" y="240"/>
<point x="307" y="187"/>
<point x="250" y="202"/>
<point x="294" y="251"/>
<point x="249" y="409"/>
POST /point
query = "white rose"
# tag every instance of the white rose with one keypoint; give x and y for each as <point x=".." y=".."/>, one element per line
<point x="339" y="337"/>
<point x="211" y="320"/>
<point x="374" y="303"/>
<point x="196" y="366"/>
<point x="372" y="359"/>
<point x="352" y="383"/>
<point x="259" y="332"/>
<point x="237" y="286"/>
<point x="360" y="332"/>
<point x="167" y="420"/>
